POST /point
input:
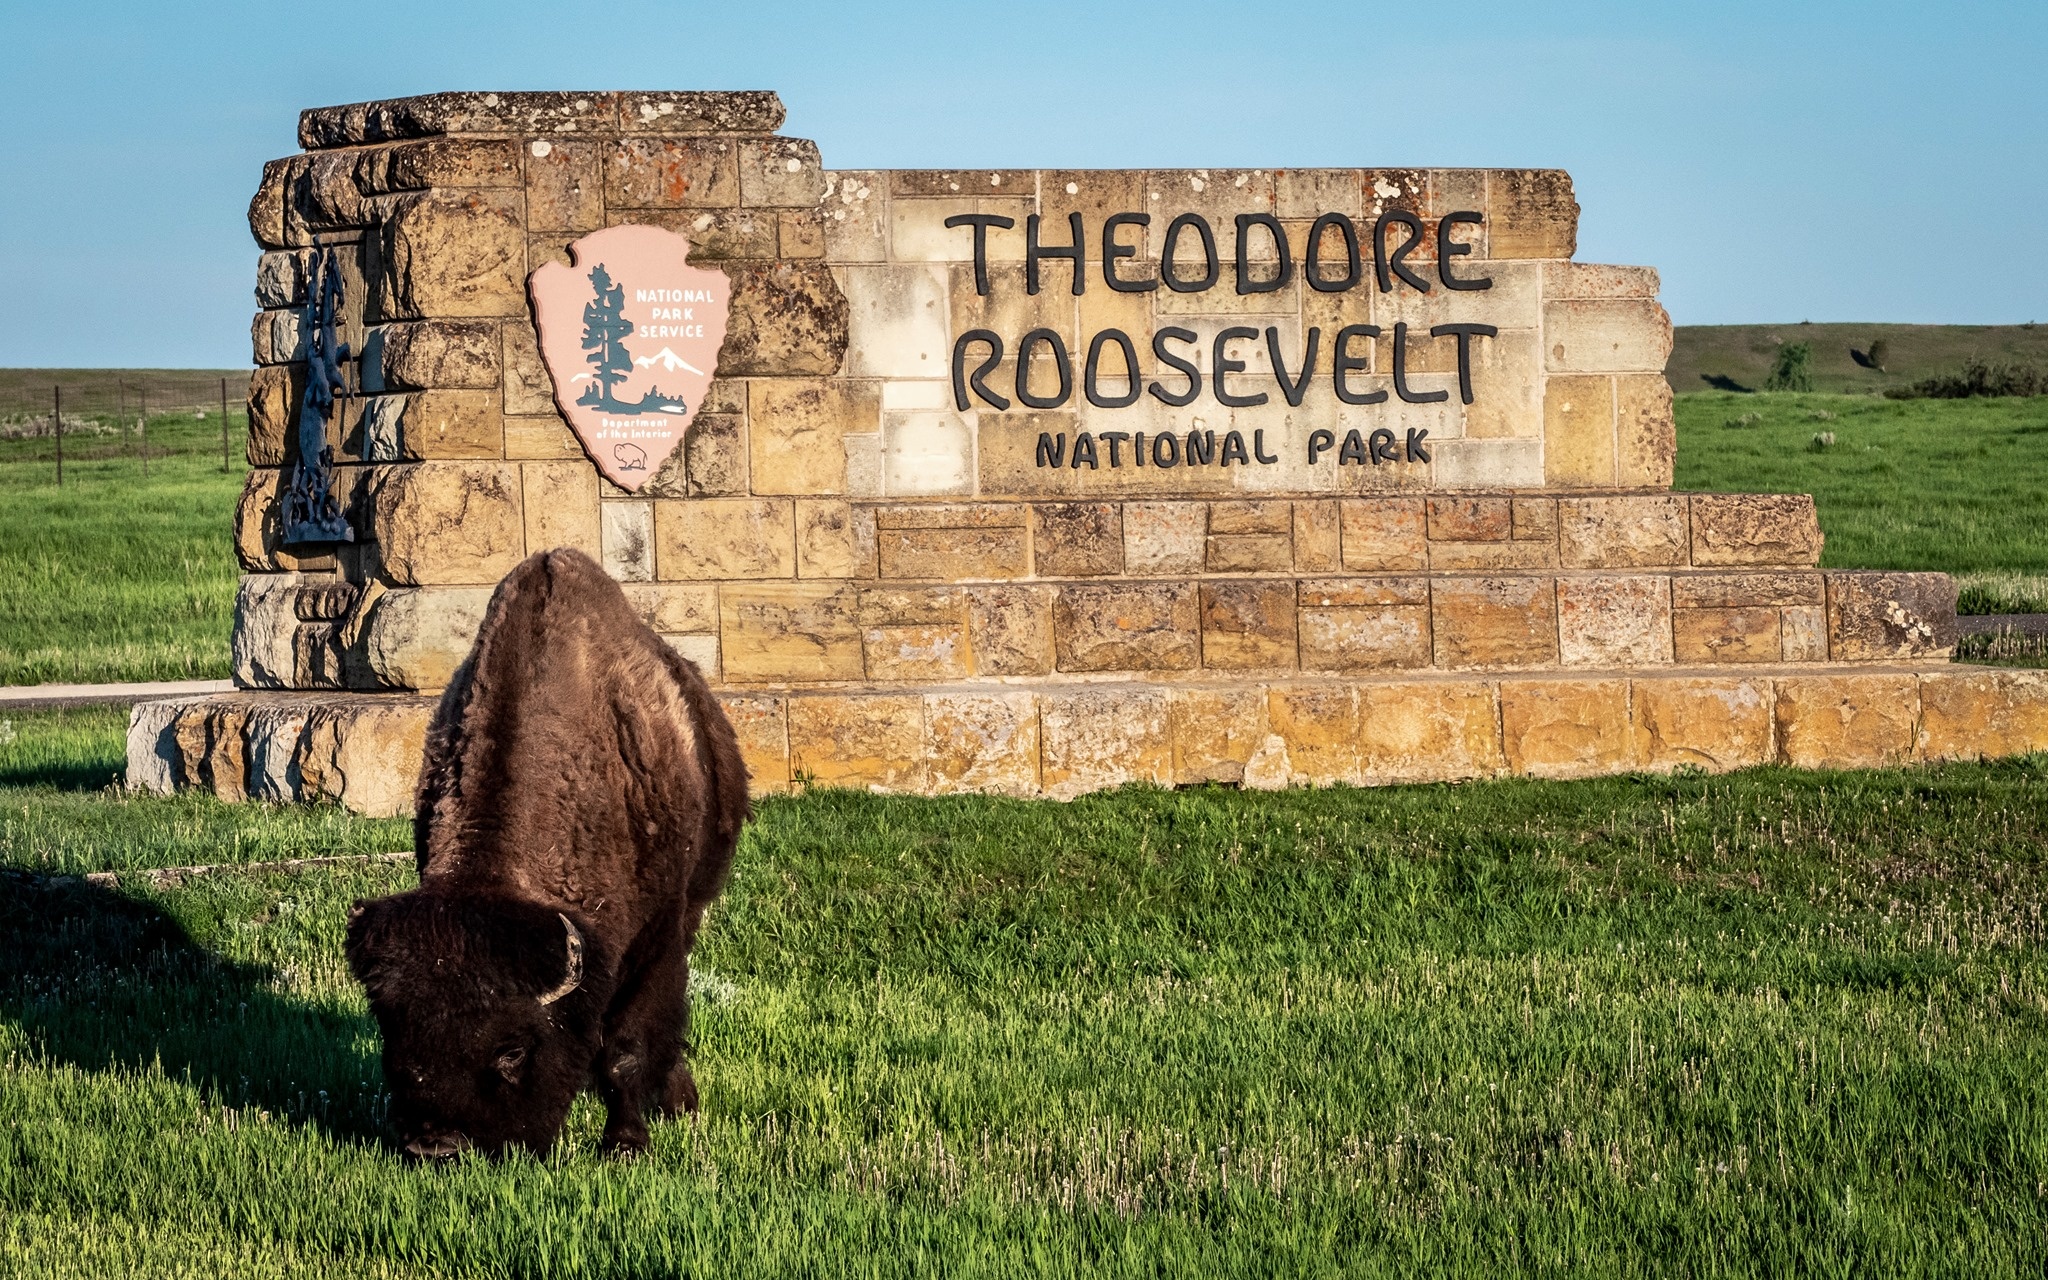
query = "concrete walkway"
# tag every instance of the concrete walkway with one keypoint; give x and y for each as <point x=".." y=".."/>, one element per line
<point x="42" y="697"/>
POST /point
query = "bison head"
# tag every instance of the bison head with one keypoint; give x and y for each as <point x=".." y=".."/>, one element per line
<point x="491" y="1010"/>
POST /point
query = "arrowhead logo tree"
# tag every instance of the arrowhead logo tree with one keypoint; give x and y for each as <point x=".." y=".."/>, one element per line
<point x="631" y="376"/>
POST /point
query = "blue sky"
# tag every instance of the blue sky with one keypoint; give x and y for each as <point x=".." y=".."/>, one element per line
<point x="1776" y="161"/>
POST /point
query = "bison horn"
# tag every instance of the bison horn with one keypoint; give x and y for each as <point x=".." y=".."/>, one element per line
<point x="574" y="977"/>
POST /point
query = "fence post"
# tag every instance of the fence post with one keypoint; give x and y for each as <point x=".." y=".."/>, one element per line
<point x="224" y="426"/>
<point x="57" y="425"/>
<point x="142" y="427"/>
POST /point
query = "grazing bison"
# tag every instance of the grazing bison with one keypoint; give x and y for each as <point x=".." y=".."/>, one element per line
<point x="578" y="807"/>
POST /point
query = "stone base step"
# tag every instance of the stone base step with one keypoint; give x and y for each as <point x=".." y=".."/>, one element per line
<point x="1061" y="739"/>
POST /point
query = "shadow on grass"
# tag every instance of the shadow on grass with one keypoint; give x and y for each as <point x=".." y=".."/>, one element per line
<point x="64" y="775"/>
<point x="101" y="981"/>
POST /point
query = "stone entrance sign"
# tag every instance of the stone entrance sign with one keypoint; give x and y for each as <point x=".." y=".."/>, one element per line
<point x="1028" y="481"/>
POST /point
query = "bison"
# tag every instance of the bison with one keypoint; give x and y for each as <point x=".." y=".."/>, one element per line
<point x="578" y="807"/>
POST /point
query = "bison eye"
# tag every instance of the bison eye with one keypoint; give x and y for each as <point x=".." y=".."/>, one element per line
<point x="510" y="1061"/>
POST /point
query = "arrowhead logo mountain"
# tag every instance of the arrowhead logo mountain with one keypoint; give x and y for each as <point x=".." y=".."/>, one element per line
<point x="630" y="336"/>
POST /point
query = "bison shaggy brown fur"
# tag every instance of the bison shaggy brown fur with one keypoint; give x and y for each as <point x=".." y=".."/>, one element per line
<point x="578" y="807"/>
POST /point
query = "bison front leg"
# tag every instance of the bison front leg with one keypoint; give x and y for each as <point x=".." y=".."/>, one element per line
<point x="642" y="1052"/>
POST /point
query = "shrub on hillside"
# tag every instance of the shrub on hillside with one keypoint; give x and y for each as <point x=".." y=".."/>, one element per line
<point x="1794" y="369"/>
<point x="1977" y="378"/>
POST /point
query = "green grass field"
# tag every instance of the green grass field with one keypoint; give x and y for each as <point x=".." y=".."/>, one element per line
<point x="118" y="576"/>
<point x="1773" y="1023"/>
<point x="1952" y="485"/>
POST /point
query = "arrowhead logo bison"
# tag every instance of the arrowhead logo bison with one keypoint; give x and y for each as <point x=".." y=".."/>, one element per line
<point x="630" y="336"/>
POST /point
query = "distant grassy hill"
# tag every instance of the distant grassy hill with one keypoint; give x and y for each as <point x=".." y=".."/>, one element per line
<point x="1737" y="357"/>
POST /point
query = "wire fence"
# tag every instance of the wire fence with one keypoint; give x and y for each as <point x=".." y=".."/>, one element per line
<point x="91" y="417"/>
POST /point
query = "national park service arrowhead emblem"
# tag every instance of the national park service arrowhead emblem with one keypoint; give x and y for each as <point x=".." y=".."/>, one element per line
<point x="630" y="336"/>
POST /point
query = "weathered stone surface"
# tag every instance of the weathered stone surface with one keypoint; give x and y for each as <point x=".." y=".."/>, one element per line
<point x="452" y="253"/>
<point x="790" y="631"/>
<point x="1531" y="213"/>
<point x="527" y="389"/>
<point x="1565" y="728"/>
<point x="626" y="530"/>
<point x="761" y="723"/>
<point x="549" y="114"/>
<point x="1488" y="464"/>
<point x="1469" y="519"/>
<point x="724" y="538"/>
<point x="1845" y="721"/>
<point x="363" y="754"/>
<point x="871" y="741"/>
<point x="1077" y="539"/>
<point x="1215" y="732"/>
<point x="437" y="162"/>
<point x="1873" y="617"/>
<point x="1746" y="590"/>
<point x="1578" y="432"/>
<point x="560" y="505"/>
<point x="1803" y="633"/>
<point x="423" y="426"/>
<point x="1360" y="624"/>
<point x="1455" y="557"/>
<point x="1591" y="280"/>
<point x="1646" y="434"/>
<point x="266" y="207"/>
<point x="1705" y="723"/>
<point x="701" y="111"/>
<point x="266" y="625"/>
<point x="1623" y="532"/>
<point x="1126" y="627"/>
<point x="153" y="759"/>
<point x="787" y="319"/>
<point x="1103" y="737"/>
<point x="1011" y="629"/>
<point x="798" y="429"/>
<point x="275" y="393"/>
<point x="417" y="355"/>
<point x="1164" y="539"/>
<point x="1318" y="537"/>
<point x="1623" y="336"/>
<point x="900" y="311"/>
<point x="1614" y="621"/>
<point x="1250" y="552"/>
<point x="1383" y="534"/>
<point x="981" y="742"/>
<point x="1480" y="622"/>
<point x="915" y="633"/>
<point x="564" y="186"/>
<point x="1726" y="635"/>
<point x="1427" y="730"/>
<point x="834" y="540"/>
<point x="924" y="453"/>
<point x="448" y="523"/>
<point x="780" y="173"/>
<point x="713" y="457"/>
<point x="672" y="173"/>
<point x="672" y="608"/>
<point x="325" y="600"/>
<point x="1982" y="715"/>
<point x="1318" y="723"/>
<point x="1247" y="625"/>
<point x="952" y="543"/>
<point x="414" y="639"/>
<point x="1754" y="528"/>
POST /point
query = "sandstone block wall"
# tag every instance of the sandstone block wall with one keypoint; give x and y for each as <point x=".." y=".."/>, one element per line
<point x="870" y="506"/>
